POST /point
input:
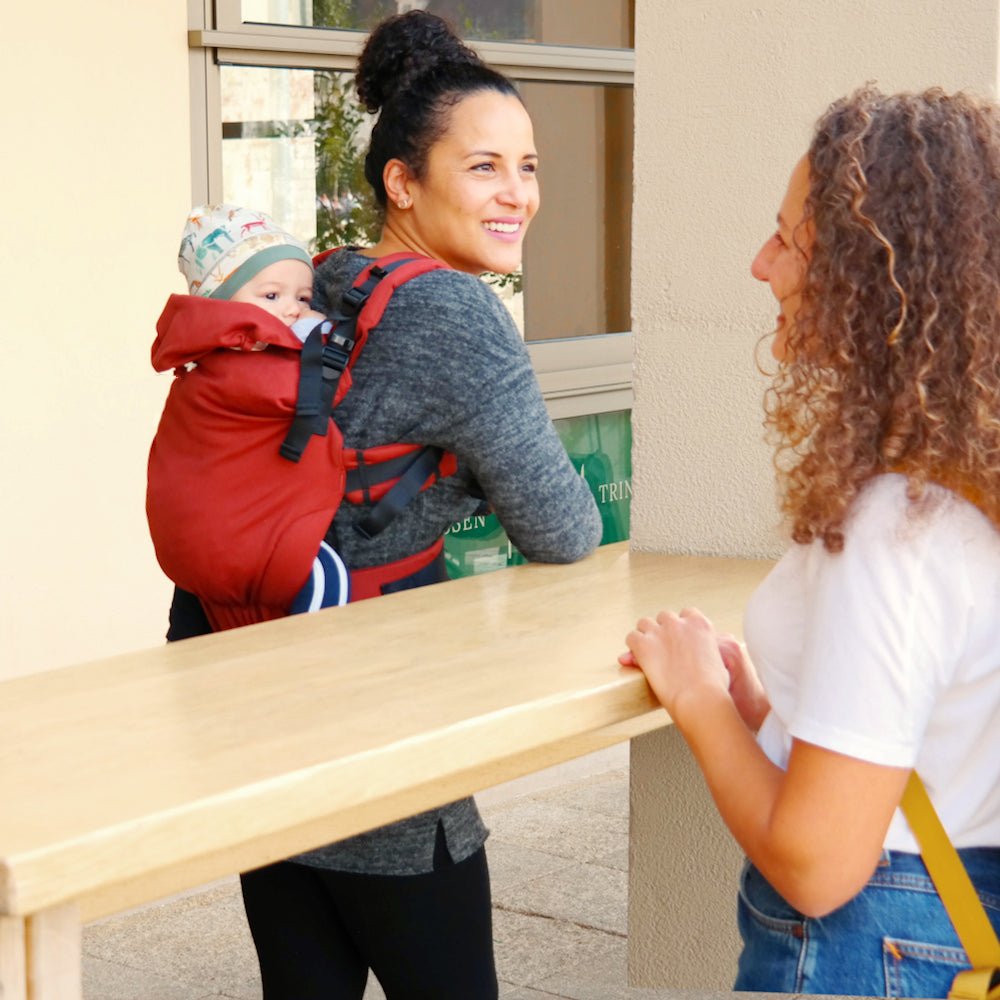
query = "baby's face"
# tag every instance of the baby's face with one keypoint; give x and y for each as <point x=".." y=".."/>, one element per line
<point x="283" y="288"/>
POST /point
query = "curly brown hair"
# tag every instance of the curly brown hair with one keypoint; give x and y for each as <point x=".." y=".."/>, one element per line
<point x="893" y="363"/>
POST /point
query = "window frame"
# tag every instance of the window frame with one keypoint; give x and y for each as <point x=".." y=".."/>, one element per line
<point x="579" y="375"/>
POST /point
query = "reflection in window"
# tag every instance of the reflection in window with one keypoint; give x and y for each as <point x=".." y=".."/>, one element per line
<point x="605" y="23"/>
<point x="294" y="144"/>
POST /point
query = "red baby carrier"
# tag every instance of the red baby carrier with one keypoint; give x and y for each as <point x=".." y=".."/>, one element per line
<point x="248" y="467"/>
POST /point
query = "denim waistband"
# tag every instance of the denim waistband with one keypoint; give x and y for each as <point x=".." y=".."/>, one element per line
<point x="905" y="870"/>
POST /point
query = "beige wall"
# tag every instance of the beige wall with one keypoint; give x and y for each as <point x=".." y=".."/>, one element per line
<point x="726" y="93"/>
<point x="95" y="181"/>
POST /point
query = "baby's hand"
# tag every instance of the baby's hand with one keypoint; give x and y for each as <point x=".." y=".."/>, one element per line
<point x="307" y="323"/>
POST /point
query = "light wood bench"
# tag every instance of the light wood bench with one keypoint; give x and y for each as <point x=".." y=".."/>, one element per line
<point x="131" y="778"/>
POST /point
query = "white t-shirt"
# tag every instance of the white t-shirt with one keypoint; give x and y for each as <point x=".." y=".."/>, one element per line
<point x="889" y="652"/>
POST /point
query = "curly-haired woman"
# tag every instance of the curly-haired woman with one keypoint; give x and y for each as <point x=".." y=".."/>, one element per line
<point x="876" y="638"/>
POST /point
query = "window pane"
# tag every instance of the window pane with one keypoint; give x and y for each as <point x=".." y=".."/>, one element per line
<point x="604" y="23"/>
<point x="294" y="144"/>
<point x="577" y="256"/>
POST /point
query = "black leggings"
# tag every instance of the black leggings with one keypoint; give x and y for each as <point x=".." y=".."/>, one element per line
<point x="317" y="931"/>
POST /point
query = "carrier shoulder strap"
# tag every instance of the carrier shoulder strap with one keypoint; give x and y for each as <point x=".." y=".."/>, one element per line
<point x="323" y="363"/>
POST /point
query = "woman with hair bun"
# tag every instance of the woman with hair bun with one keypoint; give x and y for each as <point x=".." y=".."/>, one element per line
<point x="453" y="165"/>
<point x="876" y="636"/>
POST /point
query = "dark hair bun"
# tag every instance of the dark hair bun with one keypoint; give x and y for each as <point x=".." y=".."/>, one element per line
<point x="413" y="70"/>
<point x="404" y="48"/>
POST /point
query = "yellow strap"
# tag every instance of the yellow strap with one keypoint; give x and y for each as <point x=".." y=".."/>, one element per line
<point x="950" y="877"/>
<point x="974" y="984"/>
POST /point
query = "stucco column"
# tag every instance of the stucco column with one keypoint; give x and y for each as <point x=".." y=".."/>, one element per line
<point x="726" y="94"/>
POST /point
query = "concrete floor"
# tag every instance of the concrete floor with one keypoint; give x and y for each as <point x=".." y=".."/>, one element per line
<point x="558" y="854"/>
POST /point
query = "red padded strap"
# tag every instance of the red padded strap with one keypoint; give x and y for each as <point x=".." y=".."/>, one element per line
<point x="377" y="488"/>
<point x="371" y="312"/>
<point x="369" y="582"/>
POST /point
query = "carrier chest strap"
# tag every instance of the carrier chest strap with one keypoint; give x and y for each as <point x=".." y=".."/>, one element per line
<point x="424" y="465"/>
<point x="372" y="472"/>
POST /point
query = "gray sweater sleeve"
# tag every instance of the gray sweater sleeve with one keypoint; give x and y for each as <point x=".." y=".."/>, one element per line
<point x="504" y="436"/>
<point x="449" y="369"/>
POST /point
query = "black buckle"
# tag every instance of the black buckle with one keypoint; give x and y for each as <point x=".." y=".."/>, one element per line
<point x="354" y="298"/>
<point x="335" y="358"/>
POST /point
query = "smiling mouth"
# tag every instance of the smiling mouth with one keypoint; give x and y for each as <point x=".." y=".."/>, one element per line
<point x="502" y="227"/>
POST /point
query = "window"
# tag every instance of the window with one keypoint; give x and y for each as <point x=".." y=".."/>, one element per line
<point x="605" y="23"/>
<point x="273" y="91"/>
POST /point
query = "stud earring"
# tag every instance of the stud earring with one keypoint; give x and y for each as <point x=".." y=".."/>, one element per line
<point x="403" y="203"/>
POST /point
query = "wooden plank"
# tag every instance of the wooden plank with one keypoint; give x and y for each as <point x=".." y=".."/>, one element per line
<point x="327" y="801"/>
<point x="262" y="741"/>
<point x="54" y="948"/>
<point x="164" y="882"/>
<point x="13" y="965"/>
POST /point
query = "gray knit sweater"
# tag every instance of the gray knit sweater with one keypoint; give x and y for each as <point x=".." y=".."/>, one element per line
<point x="446" y="366"/>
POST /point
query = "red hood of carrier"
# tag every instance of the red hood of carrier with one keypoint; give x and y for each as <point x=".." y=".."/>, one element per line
<point x="190" y="327"/>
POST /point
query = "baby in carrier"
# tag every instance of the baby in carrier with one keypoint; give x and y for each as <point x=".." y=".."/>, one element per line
<point x="231" y="520"/>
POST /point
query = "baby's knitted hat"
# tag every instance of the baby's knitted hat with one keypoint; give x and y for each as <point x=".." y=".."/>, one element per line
<point x="224" y="246"/>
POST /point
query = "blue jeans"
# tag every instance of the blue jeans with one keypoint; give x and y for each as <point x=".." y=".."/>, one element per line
<point x="893" y="939"/>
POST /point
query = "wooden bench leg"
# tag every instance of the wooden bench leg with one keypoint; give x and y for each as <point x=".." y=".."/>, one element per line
<point x="13" y="965"/>
<point x="50" y="955"/>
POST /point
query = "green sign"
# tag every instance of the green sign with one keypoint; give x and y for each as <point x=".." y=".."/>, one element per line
<point x="600" y="448"/>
